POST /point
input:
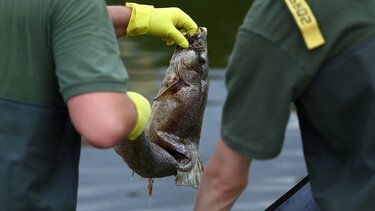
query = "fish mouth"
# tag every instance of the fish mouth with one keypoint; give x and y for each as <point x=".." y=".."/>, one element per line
<point x="181" y="154"/>
<point x="184" y="161"/>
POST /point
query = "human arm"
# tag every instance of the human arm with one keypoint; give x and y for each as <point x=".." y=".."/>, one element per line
<point x="137" y="19"/>
<point x="102" y="118"/>
<point x="106" y="118"/>
<point x="224" y="179"/>
<point x="120" y="16"/>
<point x="91" y="76"/>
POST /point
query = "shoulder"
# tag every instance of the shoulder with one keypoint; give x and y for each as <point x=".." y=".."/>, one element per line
<point x="273" y="21"/>
<point x="61" y="9"/>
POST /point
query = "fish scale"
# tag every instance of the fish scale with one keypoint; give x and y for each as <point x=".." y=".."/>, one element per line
<point x="169" y="145"/>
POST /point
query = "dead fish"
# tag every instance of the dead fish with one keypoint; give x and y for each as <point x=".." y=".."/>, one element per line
<point x="169" y="145"/>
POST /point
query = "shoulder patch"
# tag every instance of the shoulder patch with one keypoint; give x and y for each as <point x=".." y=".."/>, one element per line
<point x="306" y="22"/>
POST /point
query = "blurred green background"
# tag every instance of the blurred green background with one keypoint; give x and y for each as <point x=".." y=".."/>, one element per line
<point x="222" y="19"/>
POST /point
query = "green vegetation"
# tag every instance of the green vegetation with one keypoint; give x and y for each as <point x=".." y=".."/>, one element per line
<point x="222" y="19"/>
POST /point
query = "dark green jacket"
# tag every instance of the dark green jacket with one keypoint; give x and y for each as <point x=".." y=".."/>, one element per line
<point x="333" y="87"/>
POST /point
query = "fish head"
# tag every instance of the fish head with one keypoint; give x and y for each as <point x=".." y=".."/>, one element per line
<point x="188" y="67"/>
<point x="194" y="59"/>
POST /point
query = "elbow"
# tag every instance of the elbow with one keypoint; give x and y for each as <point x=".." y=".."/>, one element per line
<point x="103" y="118"/>
<point x="107" y="135"/>
<point x="102" y="142"/>
<point x="104" y="139"/>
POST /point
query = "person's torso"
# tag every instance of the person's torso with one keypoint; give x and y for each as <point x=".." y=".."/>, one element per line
<point x="39" y="148"/>
<point x="337" y="108"/>
<point x="337" y="118"/>
<point x="39" y="157"/>
<point x="27" y="67"/>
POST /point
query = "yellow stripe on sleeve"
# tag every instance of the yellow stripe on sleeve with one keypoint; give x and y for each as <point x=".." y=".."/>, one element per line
<point x="306" y="23"/>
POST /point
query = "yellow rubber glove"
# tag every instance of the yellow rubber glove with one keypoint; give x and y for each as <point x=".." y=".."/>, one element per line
<point x="143" y="108"/>
<point x="161" y="22"/>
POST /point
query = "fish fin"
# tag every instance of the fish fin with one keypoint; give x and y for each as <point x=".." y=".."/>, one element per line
<point x="189" y="76"/>
<point x="163" y="89"/>
<point x="161" y="92"/>
<point x="192" y="177"/>
<point x="150" y="186"/>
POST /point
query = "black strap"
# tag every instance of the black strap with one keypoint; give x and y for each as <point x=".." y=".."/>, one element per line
<point x="288" y="194"/>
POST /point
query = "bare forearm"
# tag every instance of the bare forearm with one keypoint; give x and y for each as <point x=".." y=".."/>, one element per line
<point x="103" y="118"/>
<point x="120" y="16"/>
<point x="217" y="194"/>
<point x="224" y="179"/>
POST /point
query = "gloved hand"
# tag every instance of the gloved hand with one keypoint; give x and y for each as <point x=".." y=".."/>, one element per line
<point x="161" y="22"/>
<point x="143" y="108"/>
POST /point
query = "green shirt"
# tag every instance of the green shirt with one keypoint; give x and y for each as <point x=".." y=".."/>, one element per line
<point x="50" y="51"/>
<point x="271" y="67"/>
<point x="57" y="47"/>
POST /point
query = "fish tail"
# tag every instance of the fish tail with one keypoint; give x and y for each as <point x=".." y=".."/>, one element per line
<point x="192" y="177"/>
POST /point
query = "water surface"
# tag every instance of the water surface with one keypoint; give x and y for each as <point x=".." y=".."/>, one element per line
<point x="106" y="183"/>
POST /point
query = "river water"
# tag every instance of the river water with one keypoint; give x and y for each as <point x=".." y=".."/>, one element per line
<point x="107" y="184"/>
